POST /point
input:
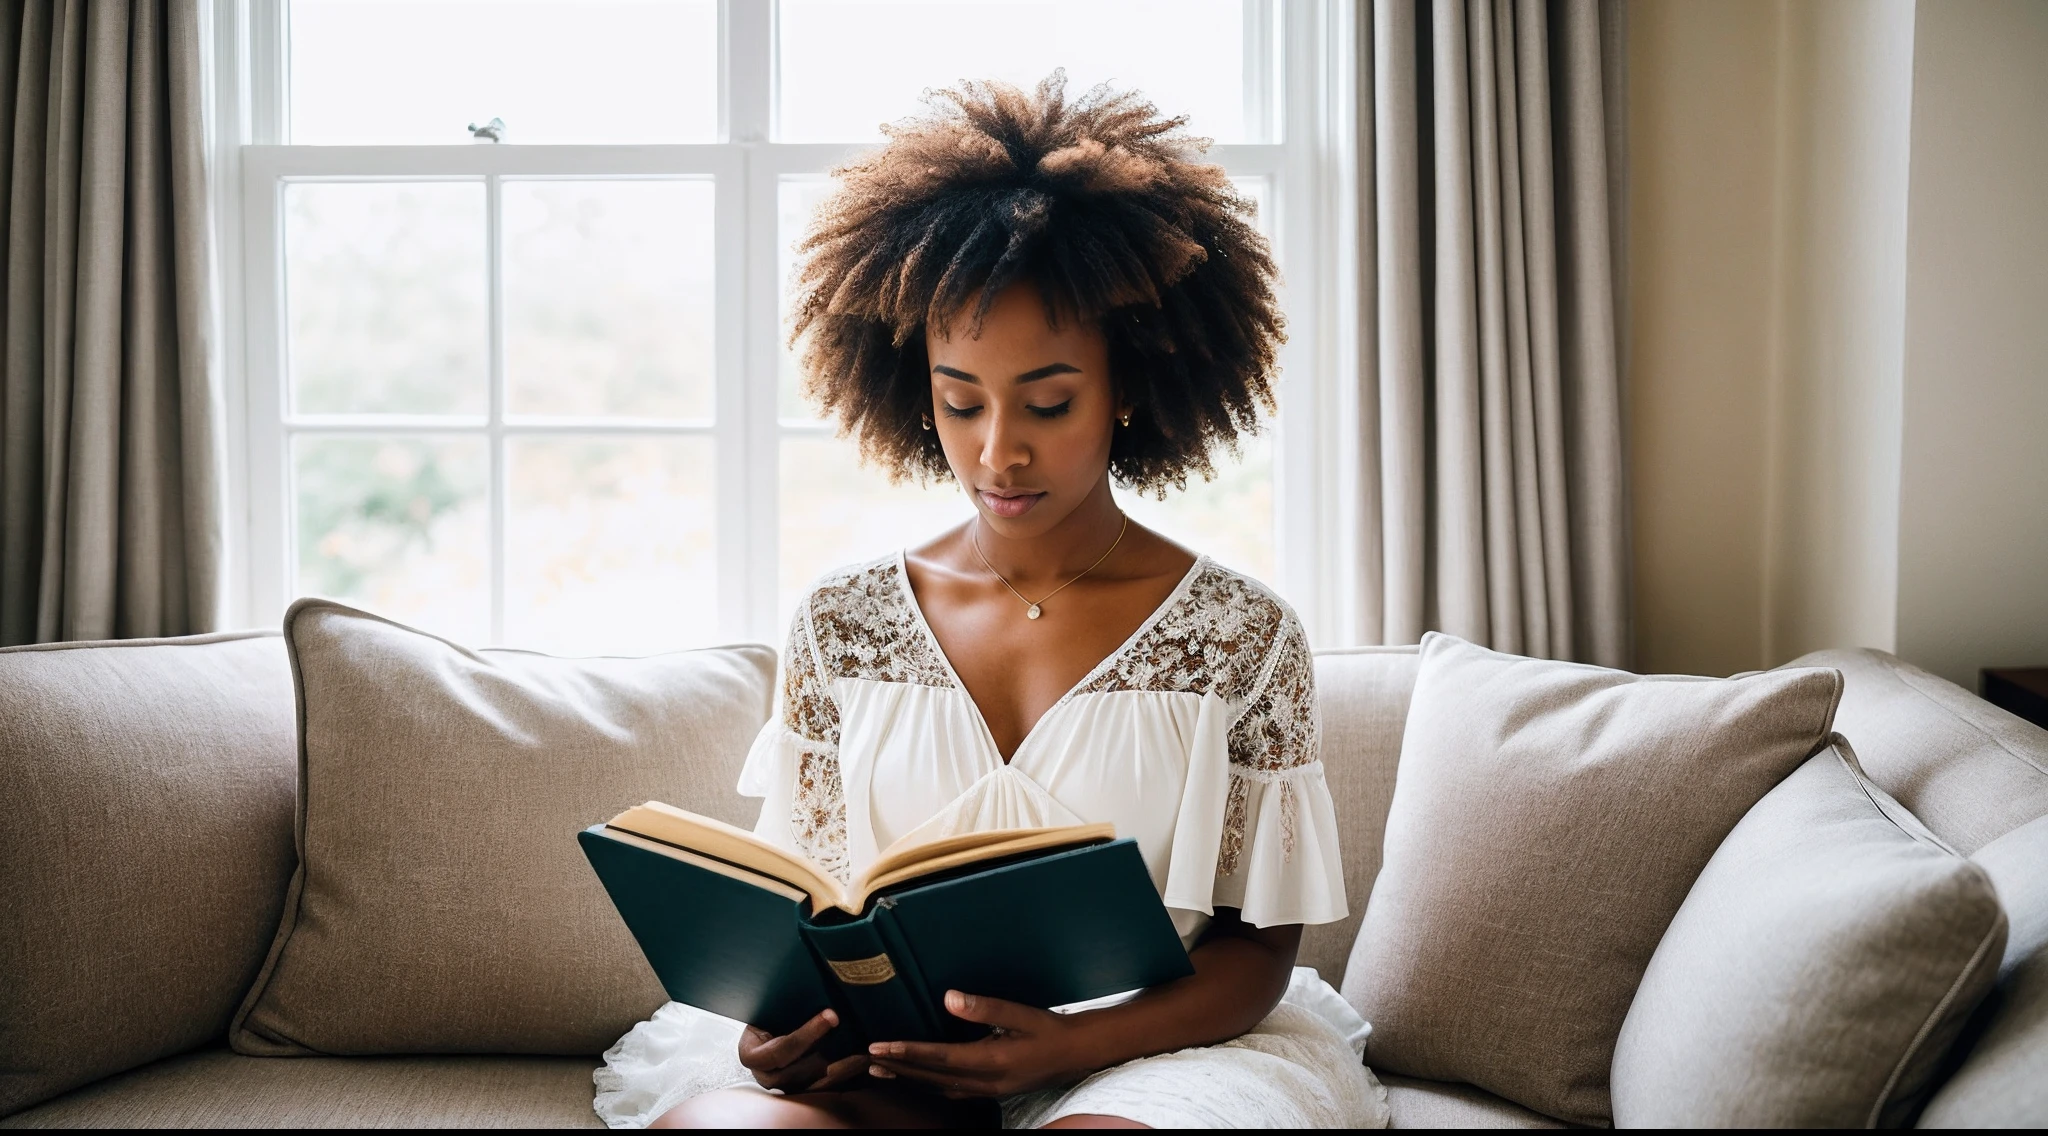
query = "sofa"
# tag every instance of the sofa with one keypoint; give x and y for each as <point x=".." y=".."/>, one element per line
<point x="149" y="843"/>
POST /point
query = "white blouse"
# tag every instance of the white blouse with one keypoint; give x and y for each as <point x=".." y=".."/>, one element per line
<point x="1197" y="738"/>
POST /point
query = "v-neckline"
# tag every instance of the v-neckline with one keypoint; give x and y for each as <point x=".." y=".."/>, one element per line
<point x="988" y="736"/>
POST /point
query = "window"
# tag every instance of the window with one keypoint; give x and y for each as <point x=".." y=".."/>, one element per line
<point x="534" y="391"/>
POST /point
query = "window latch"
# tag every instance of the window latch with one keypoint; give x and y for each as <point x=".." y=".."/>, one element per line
<point x="492" y="131"/>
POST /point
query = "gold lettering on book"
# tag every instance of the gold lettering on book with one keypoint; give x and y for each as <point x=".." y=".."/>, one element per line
<point x="864" y="972"/>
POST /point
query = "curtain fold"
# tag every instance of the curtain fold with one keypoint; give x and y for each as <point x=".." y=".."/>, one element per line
<point x="1490" y="415"/>
<point x="109" y="482"/>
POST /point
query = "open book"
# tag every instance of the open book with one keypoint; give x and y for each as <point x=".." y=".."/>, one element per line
<point x="739" y="927"/>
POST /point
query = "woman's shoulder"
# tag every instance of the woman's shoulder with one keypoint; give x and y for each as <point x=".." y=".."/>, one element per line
<point x="1221" y="634"/>
<point x="862" y="625"/>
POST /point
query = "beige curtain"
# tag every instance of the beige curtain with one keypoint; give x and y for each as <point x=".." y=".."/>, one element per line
<point x="1490" y="413"/>
<point x="108" y="483"/>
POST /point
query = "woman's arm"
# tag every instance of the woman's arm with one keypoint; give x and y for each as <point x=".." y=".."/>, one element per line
<point x="1240" y="973"/>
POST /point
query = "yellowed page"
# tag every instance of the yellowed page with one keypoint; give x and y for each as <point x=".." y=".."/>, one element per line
<point x="765" y="883"/>
<point x="685" y="829"/>
<point x="896" y="865"/>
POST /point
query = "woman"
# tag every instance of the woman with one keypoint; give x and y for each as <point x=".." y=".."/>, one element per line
<point x="1036" y="298"/>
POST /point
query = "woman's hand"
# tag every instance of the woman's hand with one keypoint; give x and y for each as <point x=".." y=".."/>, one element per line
<point x="1029" y="1049"/>
<point x="791" y="1062"/>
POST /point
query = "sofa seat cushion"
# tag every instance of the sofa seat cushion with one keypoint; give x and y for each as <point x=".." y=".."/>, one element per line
<point x="1970" y="771"/>
<point x="214" y="1088"/>
<point x="1416" y="1103"/>
<point x="145" y="845"/>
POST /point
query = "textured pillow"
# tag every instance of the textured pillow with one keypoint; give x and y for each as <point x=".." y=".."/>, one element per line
<point x="2003" y="1081"/>
<point x="1548" y="819"/>
<point x="1818" y="971"/>
<point x="145" y="844"/>
<point x="441" y="904"/>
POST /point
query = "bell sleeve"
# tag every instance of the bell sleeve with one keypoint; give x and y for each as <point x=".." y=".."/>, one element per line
<point x="1278" y="860"/>
<point x="794" y="763"/>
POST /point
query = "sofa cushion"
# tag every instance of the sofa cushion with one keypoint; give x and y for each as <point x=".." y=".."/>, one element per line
<point x="1970" y="771"/>
<point x="1817" y="972"/>
<point x="1416" y="1103"/>
<point x="218" y="1089"/>
<point x="2003" y="1079"/>
<point x="441" y="904"/>
<point x="1362" y="694"/>
<point x="1547" y="821"/>
<point x="144" y="848"/>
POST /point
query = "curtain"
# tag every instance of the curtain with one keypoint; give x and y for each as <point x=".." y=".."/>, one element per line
<point x="109" y="520"/>
<point x="1489" y="420"/>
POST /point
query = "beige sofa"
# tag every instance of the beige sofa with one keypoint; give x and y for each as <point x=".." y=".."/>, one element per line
<point x="147" y="844"/>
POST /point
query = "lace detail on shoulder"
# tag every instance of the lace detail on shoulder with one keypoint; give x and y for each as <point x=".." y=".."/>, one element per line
<point x="817" y="805"/>
<point x="864" y="628"/>
<point x="1276" y="736"/>
<point x="1215" y="638"/>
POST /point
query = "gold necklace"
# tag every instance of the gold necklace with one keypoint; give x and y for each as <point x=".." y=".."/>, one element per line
<point x="1034" y="610"/>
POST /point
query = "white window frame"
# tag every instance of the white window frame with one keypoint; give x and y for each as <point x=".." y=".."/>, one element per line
<point x="1307" y="171"/>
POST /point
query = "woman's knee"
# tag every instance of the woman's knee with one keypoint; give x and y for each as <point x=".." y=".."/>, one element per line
<point x="745" y="1108"/>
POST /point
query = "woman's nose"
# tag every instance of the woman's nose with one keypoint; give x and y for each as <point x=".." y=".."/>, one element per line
<point x="1003" y="447"/>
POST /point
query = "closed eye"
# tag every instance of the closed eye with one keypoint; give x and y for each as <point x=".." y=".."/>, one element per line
<point x="952" y="411"/>
<point x="1052" y="411"/>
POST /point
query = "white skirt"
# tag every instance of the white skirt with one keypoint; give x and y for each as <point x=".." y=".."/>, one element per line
<point x="1302" y="1067"/>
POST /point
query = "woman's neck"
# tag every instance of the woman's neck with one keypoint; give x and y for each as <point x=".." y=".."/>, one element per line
<point x="1057" y="555"/>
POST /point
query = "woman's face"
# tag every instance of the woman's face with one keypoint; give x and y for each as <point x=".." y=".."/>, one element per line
<point x="1025" y="412"/>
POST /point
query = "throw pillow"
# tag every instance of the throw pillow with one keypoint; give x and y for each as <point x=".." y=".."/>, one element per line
<point x="1548" y="819"/>
<point x="1818" y="971"/>
<point x="441" y="904"/>
<point x="2003" y="1079"/>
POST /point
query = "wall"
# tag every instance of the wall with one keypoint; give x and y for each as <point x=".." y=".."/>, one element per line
<point x="1701" y="116"/>
<point x="1973" y="542"/>
<point x="1839" y="217"/>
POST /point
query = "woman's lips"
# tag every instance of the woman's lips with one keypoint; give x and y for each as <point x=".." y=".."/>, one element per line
<point x="1011" y="505"/>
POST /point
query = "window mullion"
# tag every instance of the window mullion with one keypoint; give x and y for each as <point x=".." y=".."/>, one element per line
<point x="746" y="69"/>
<point x="500" y="508"/>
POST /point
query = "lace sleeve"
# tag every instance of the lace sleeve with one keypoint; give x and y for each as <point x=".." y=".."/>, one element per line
<point x="817" y="804"/>
<point x="1273" y="746"/>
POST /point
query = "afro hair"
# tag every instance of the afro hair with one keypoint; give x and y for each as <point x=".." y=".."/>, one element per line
<point x="1105" y="207"/>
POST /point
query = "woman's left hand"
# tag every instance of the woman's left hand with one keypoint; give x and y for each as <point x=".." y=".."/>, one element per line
<point x="1029" y="1049"/>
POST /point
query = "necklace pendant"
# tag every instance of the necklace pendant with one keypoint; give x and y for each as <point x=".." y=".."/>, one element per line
<point x="1032" y="612"/>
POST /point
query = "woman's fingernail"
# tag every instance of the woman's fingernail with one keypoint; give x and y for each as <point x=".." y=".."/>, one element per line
<point x="878" y="1071"/>
<point x="831" y="1019"/>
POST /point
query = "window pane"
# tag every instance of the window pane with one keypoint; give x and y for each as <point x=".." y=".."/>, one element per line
<point x="848" y="65"/>
<point x="796" y="198"/>
<point x="608" y="297"/>
<point x="835" y="511"/>
<point x="1230" y="518"/>
<point x="399" y="526"/>
<point x="609" y="545"/>
<point x="385" y="296"/>
<point x="420" y="71"/>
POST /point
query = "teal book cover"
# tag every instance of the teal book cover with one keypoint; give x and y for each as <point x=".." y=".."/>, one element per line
<point x="1044" y="929"/>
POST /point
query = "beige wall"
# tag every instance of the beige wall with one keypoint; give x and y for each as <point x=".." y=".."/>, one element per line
<point x="1973" y="542"/>
<point x="1701" y="118"/>
<point x="1839" y="218"/>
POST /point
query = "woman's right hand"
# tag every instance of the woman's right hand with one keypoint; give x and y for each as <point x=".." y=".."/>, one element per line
<point x="791" y="1062"/>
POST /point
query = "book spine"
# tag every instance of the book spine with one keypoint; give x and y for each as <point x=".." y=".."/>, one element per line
<point x="880" y="993"/>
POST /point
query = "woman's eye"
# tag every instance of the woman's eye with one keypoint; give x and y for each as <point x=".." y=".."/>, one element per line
<point x="952" y="411"/>
<point x="1052" y="411"/>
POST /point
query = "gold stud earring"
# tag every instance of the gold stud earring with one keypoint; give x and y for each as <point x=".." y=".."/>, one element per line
<point x="927" y="422"/>
<point x="1125" y="420"/>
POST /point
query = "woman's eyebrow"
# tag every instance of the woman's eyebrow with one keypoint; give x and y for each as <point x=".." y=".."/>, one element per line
<point x="1045" y="372"/>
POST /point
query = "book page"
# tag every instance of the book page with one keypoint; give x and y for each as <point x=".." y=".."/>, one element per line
<point x="685" y="829"/>
<point x="756" y="879"/>
<point x="898" y="865"/>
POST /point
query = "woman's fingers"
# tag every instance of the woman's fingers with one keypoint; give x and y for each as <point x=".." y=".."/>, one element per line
<point x="1014" y="1016"/>
<point x="966" y="1058"/>
<point x="840" y="1073"/>
<point x="776" y="1052"/>
<point x="952" y="1082"/>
